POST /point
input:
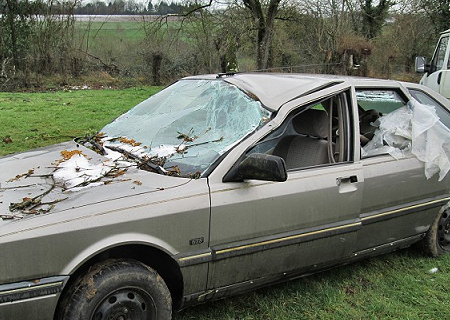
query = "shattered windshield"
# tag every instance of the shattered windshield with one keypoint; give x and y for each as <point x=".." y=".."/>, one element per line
<point x="186" y="127"/>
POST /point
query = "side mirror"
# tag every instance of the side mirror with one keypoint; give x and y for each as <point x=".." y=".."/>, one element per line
<point x="259" y="166"/>
<point x="420" y="65"/>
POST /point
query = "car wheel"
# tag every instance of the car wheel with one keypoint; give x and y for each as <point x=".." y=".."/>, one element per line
<point x="437" y="239"/>
<point x="118" y="290"/>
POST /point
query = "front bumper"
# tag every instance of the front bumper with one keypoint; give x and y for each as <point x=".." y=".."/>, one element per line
<point x="31" y="300"/>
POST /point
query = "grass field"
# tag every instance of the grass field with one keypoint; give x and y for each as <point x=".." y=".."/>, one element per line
<point x="132" y="33"/>
<point x="33" y="120"/>
<point x="117" y="30"/>
<point x="394" y="286"/>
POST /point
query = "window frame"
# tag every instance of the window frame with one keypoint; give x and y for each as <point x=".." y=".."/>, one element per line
<point x="398" y="93"/>
<point x="345" y="125"/>
<point x="441" y="48"/>
<point x="440" y="109"/>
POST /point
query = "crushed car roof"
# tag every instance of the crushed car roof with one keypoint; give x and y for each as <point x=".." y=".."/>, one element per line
<point x="275" y="89"/>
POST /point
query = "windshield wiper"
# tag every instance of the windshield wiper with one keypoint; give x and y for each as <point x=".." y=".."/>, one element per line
<point x="142" y="162"/>
<point x="92" y="140"/>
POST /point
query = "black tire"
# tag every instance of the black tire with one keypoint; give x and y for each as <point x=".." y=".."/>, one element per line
<point x="119" y="290"/>
<point x="437" y="239"/>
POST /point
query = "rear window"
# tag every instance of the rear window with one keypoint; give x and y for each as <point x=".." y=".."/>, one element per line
<point x="384" y="101"/>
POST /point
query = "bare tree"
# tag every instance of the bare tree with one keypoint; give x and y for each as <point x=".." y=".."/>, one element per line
<point x="265" y="21"/>
<point x="263" y="14"/>
<point x="14" y="13"/>
<point x="37" y="36"/>
<point x="438" y="12"/>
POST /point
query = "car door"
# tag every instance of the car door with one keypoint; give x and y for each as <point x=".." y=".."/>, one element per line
<point x="263" y="231"/>
<point x="399" y="202"/>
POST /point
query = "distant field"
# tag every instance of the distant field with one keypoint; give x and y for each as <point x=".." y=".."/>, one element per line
<point x="114" y="43"/>
<point x="121" y="43"/>
<point x="120" y="28"/>
<point x="122" y="18"/>
<point x="116" y="31"/>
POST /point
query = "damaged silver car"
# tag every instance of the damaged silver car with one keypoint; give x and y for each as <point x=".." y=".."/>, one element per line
<point x="220" y="184"/>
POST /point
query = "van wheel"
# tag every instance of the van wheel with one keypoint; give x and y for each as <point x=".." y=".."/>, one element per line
<point x="437" y="239"/>
<point x="118" y="290"/>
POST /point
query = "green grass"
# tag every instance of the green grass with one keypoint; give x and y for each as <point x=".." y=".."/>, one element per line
<point x="34" y="120"/>
<point x="111" y="36"/>
<point x="394" y="286"/>
<point x="119" y="31"/>
<point x="129" y="31"/>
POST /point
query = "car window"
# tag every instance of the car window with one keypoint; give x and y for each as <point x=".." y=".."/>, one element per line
<point x="372" y="105"/>
<point x="424" y="98"/>
<point x="314" y="135"/>
<point x="384" y="101"/>
<point x="401" y="131"/>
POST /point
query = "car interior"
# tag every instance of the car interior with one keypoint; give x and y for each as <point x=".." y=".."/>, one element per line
<point x="309" y="137"/>
<point x="367" y="125"/>
<point x="308" y="144"/>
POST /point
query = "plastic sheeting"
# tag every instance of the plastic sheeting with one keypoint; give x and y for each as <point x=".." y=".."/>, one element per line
<point x="413" y="129"/>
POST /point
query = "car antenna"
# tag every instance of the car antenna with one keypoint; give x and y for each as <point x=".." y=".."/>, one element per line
<point x="225" y="74"/>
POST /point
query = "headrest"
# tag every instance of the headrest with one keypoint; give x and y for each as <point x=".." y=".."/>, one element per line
<point x="312" y="122"/>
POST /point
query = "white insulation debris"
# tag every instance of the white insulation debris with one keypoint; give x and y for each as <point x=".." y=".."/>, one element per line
<point x="433" y="270"/>
<point x="413" y="129"/>
<point x="78" y="170"/>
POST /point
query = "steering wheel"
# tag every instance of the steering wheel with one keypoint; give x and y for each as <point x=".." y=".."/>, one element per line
<point x="369" y="116"/>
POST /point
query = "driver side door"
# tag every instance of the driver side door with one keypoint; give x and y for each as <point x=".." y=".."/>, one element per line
<point x="263" y="231"/>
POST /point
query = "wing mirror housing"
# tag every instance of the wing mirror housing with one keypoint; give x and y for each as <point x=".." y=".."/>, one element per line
<point x="421" y="65"/>
<point x="258" y="166"/>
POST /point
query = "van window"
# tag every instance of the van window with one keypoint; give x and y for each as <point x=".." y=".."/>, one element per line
<point x="439" y="57"/>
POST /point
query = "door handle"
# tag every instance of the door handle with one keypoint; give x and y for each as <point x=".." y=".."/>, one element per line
<point x="343" y="180"/>
<point x="439" y="78"/>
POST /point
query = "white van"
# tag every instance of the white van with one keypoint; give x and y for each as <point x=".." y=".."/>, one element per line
<point x="437" y="72"/>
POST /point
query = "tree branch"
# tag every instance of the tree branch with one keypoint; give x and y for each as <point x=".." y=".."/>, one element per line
<point x="198" y="8"/>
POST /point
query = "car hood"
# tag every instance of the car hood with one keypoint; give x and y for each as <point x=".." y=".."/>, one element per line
<point x="68" y="176"/>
